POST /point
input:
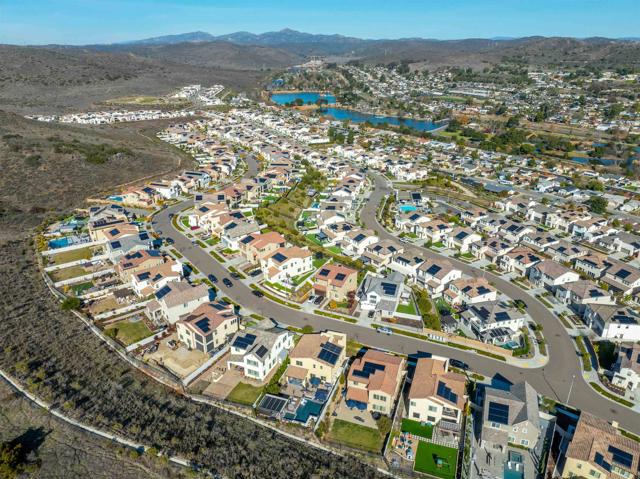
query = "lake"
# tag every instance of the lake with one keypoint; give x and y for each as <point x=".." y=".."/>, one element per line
<point x="306" y="97"/>
<point x="359" y="117"/>
<point x="586" y="161"/>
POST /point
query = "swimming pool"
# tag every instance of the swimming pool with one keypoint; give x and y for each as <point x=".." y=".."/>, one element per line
<point x="406" y="208"/>
<point x="309" y="408"/>
<point x="59" y="243"/>
<point x="115" y="198"/>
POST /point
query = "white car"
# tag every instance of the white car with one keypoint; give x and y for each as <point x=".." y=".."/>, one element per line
<point x="384" y="330"/>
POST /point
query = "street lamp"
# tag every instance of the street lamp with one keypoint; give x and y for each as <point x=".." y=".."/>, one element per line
<point x="573" y="376"/>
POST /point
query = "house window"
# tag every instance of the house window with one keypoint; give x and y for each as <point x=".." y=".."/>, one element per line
<point x="433" y="408"/>
<point x="594" y="473"/>
<point x="495" y="425"/>
<point x="431" y="419"/>
<point x="298" y="363"/>
<point x="413" y="403"/>
<point x="524" y="442"/>
<point x="416" y="415"/>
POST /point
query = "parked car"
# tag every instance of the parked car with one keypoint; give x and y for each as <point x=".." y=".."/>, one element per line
<point x="235" y="275"/>
<point x="169" y="241"/>
<point x="312" y="298"/>
<point x="255" y="273"/>
<point x="318" y="300"/>
<point x="384" y="330"/>
<point x="456" y="363"/>
<point x="257" y="293"/>
<point x="227" y="282"/>
<point x="212" y="278"/>
<point x="371" y="314"/>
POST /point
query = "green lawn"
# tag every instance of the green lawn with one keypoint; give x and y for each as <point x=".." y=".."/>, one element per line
<point x="317" y="262"/>
<point x="439" y="244"/>
<point x="69" y="256"/>
<point x="129" y="332"/>
<point x="67" y="273"/>
<point x="78" y="289"/>
<point x="335" y="249"/>
<point x="212" y="241"/>
<point x="314" y="239"/>
<point x="414" y="427"/>
<point x="302" y="278"/>
<point x="439" y="461"/>
<point x="244" y="394"/>
<point x="407" y="308"/>
<point x="355" y="435"/>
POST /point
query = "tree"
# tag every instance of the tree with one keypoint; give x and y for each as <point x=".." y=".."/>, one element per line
<point x="71" y="303"/>
<point x="597" y="204"/>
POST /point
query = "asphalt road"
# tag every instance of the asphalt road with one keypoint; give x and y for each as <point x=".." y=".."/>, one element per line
<point x="552" y="380"/>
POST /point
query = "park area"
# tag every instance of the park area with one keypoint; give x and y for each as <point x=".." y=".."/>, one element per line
<point x="436" y="460"/>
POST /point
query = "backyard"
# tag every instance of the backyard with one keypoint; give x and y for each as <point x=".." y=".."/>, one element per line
<point x="357" y="436"/>
<point x="407" y="308"/>
<point x="128" y="332"/>
<point x="73" y="255"/>
<point x="67" y="273"/>
<point x="436" y="460"/>
<point x="417" y="429"/>
<point x="244" y="394"/>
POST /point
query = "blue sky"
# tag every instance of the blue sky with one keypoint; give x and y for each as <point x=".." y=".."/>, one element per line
<point x="105" y="21"/>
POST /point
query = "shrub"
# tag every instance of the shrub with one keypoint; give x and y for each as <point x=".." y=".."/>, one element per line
<point x="71" y="303"/>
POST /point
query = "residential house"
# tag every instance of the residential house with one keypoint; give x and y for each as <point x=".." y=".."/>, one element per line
<point x="613" y="322"/>
<point x="257" y="246"/>
<point x="257" y="352"/>
<point x="622" y="277"/>
<point x="176" y="299"/>
<point x="148" y="281"/>
<point x="381" y="294"/>
<point x="436" y="274"/>
<point x="598" y="450"/>
<point x="466" y="291"/>
<point x="129" y="264"/>
<point x="336" y="282"/>
<point x="374" y="380"/>
<point x="129" y="244"/>
<point x="356" y="240"/>
<point x="550" y="275"/>
<point x="626" y="370"/>
<point x="209" y="327"/>
<point x="286" y="263"/>
<point x="436" y="393"/>
<point x="510" y="417"/>
<point x="462" y="239"/>
<point x="593" y="264"/>
<point x="494" y="322"/>
<point x="519" y="260"/>
<point x="581" y="293"/>
<point x="381" y="253"/>
<point x="318" y="356"/>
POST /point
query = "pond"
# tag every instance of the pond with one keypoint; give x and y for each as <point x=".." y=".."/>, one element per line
<point x="360" y="117"/>
<point x="308" y="97"/>
<point x="586" y="161"/>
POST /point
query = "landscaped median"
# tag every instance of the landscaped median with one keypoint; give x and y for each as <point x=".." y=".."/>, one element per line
<point x="217" y="257"/>
<point x="448" y="343"/>
<point x="609" y="395"/>
<point x="335" y="316"/>
<point x="275" y="298"/>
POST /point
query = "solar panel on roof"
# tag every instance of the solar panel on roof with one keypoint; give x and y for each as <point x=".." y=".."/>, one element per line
<point x="144" y="236"/>
<point x="623" y="273"/>
<point x="323" y="272"/>
<point x="340" y="276"/>
<point x="116" y="244"/>
<point x="334" y="348"/>
<point x="621" y="457"/>
<point x="162" y="292"/>
<point x="279" y="257"/>
<point x="328" y="356"/>
<point x="502" y="316"/>
<point x="272" y="404"/>
<point x="433" y="269"/>
<point x="446" y="393"/>
<point x="389" y="288"/>
<point x="262" y="351"/>
<point x="498" y="413"/>
<point x="203" y="325"/>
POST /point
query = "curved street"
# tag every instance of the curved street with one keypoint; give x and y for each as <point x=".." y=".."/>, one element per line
<point x="553" y="380"/>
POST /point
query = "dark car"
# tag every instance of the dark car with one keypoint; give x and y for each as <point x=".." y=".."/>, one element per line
<point x="257" y="293"/>
<point x="255" y="273"/>
<point x="456" y="363"/>
<point x="212" y="278"/>
<point x="235" y="275"/>
<point x="318" y="300"/>
<point x="169" y="241"/>
<point x="227" y="282"/>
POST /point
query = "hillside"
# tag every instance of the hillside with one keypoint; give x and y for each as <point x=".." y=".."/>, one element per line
<point x="50" y="168"/>
<point x="57" y="79"/>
